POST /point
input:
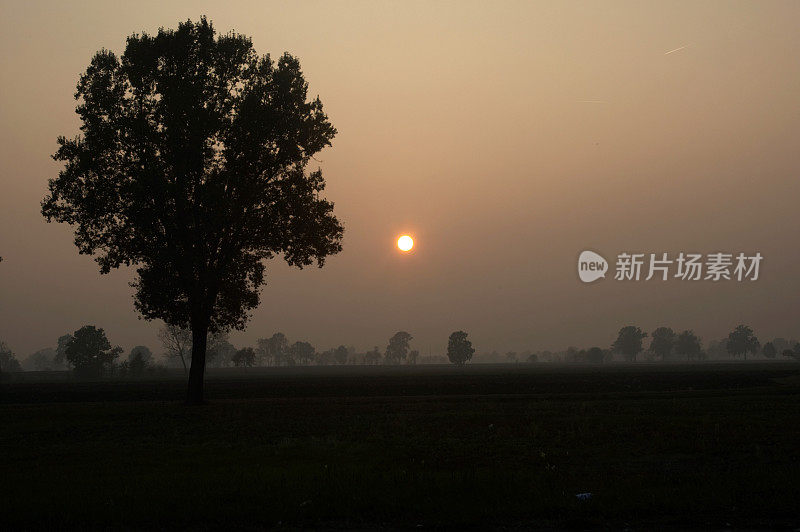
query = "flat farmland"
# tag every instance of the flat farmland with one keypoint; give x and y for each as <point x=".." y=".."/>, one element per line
<point x="489" y="446"/>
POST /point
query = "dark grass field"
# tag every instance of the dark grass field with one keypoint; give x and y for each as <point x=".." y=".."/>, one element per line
<point x="678" y="446"/>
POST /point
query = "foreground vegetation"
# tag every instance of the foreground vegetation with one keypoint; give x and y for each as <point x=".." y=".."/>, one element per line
<point x="708" y="445"/>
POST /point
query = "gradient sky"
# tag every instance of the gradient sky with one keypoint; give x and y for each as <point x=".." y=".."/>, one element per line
<point x="506" y="136"/>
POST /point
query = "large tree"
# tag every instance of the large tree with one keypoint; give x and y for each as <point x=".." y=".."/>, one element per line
<point x="191" y="166"/>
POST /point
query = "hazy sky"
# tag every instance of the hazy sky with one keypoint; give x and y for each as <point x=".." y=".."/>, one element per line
<point x="506" y="136"/>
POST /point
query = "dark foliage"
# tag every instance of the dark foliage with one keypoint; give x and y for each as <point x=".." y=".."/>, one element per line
<point x="459" y="349"/>
<point x="90" y="353"/>
<point x="191" y="167"/>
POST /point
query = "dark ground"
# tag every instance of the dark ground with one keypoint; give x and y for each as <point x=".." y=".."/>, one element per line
<point x="674" y="446"/>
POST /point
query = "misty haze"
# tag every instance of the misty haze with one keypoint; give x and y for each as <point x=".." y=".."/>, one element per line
<point x="389" y="265"/>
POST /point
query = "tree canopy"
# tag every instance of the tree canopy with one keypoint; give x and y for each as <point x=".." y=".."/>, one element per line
<point x="629" y="342"/>
<point x="191" y="166"/>
<point x="459" y="349"/>
<point x="90" y="352"/>
<point x="741" y="341"/>
<point x="397" y="349"/>
<point x="688" y="344"/>
<point x="663" y="341"/>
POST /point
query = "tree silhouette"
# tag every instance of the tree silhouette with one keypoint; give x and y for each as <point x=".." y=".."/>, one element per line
<point x="275" y="350"/>
<point x="663" y="341"/>
<point x="742" y="341"/>
<point x="220" y="350"/>
<point x="340" y="355"/>
<point x="41" y="360"/>
<point x="61" y="349"/>
<point x="793" y="353"/>
<point x="191" y="167"/>
<point x="373" y="356"/>
<point x="245" y="357"/>
<point x="688" y="344"/>
<point x="397" y="349"/>
<point x="302" y="353"/>
<point x="629" y="342"/>
<point x="90" y="352"/>
<point x="138" y="359"/>
<point x="459" y="349"/>
<point x="8" y="362"/>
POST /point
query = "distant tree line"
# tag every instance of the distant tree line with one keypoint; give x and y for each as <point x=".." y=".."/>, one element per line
<point x="89" y="353"/>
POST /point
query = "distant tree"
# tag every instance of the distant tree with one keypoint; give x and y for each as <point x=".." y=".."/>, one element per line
<point x="61" y="349"/>
<point x="8" y="362"/>
<point x="688" y="344"/>
<point x="459" y="349"/>
<point x="663" y="341"/>
<point x="340" y="355"/>
<point x="42" y="360"/>
<point x="177" y="341"/>
<point x="629" y="342"/>
<point x="220" y="350"/>
<point x="373" y="357"/>
<point x="769" y="350"/>
<point x="741" y="341"/>
<point x="302" y="353"/>
<point x="139" y="359"/>
<point x="413" y="356"/>
<point x="571" y="354"/>
<point x="90" y="352"/>
<point x="325" y="358"/>
<point x="595" y="355"/>
<point x="397" y="350"/>
<point x="793" y="353"/>
<point x="533" y="357"/>
<point x="245" y="357"/>
<point x="511" y="357"/>
<point x="717" y="349"/>
<point x="275" y="350"/>
<point x="781" y="344"/>
<point x="263" y="353"/>
<point x="191" y="166"/>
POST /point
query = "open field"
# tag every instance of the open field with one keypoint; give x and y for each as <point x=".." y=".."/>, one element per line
<point x="703" y="445"/>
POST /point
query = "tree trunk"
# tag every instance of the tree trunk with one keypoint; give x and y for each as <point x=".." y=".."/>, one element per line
<point x="183" y="361"/>
<point x="194" y="394"/>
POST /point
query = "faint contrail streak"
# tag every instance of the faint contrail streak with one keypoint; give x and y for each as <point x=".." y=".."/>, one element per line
<point x="676" y="50"/>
